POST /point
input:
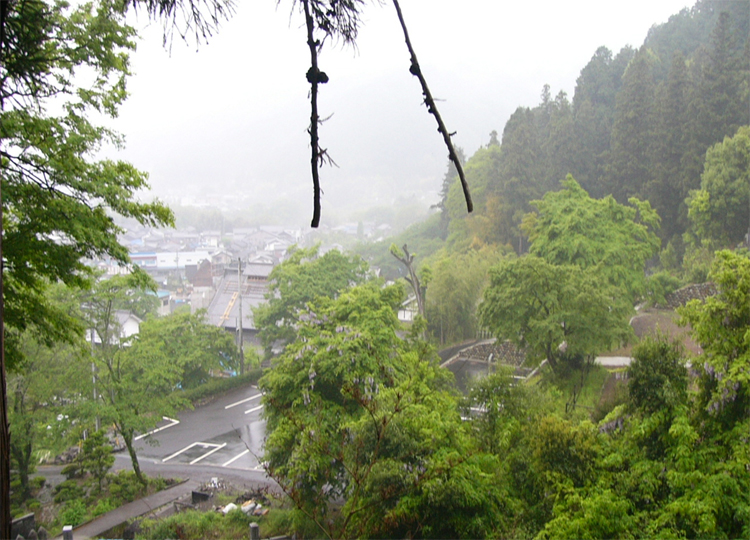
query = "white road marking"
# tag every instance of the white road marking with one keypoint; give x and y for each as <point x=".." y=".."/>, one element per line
<point x="235" y="458"/>
<point x="181" y="451"/>
<point x="243" y="401"/>
<point x="218" y="447"/>
<point x="259" y="407"/>
<point x="172" y="421"/>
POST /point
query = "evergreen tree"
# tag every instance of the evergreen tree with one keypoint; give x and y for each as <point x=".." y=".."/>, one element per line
<point x="449" y="179"/>
<point x="559" y="145"/>
<point x="628" y="169"/>
<point x="593" y="113"/>
<point x="667" y="190"/>
<point x="718" y="103"/>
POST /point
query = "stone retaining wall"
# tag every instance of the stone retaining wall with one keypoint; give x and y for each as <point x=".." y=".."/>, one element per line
<point x="699" y="291"/>
<point x="503" y="353"/>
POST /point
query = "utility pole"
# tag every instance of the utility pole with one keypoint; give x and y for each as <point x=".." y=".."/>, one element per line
<point x="239" y="323"/>
<point x="93" y="377"/>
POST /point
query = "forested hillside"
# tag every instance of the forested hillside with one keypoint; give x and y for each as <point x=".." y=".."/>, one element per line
<point x="666" y="123"/>
<point x="639" y="124"/>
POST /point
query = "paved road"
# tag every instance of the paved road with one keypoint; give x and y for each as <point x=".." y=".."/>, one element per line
<point x="225" y="434"/>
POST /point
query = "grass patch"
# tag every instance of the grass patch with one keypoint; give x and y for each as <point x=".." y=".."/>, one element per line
<point x="234" y="525"/>
<point x="79" y="500"/>
<point x="576" y="392"/>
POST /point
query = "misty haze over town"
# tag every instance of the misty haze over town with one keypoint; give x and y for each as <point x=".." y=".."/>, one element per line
<point x="224" y="123"/>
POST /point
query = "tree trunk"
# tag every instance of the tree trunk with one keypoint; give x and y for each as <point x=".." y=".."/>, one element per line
<point x="133" y="457"/>
<point x="23" y="460"/>
<point x="5" y="521"/>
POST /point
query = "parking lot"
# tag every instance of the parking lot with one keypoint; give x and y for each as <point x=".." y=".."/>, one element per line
<point x="227" y="433"/>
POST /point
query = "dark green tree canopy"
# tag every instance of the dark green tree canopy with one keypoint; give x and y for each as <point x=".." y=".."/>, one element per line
<point x="657" y="377"/>
<point x="359" y="415"/>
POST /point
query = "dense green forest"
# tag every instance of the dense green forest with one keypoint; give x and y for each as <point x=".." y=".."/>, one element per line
<point x="584" y="209"/>
<point x="666" y="123"/>
<point x="366" y="436"/>
<point x="639" y="124"/>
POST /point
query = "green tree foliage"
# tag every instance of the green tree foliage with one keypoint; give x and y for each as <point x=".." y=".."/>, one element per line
<point x="196" y="346"/>
<point x="505" y="409"/>
<point x="639" y="124"/>
<point x="632" y="137"/>
<point x="451" y="174"/>
<point x="136" y="379"/>
<point x="718" y="105"/>
<point x="40" y="397"/>
<point x="669" y="185"/>
<point x="720" y="210"/>
<point x="560" y="313"/>
<point x="657" y="377"/>
<point x="96" y="456"/>
<point x="720" y="326"/>
<point x="599" y="234"/>
<point x="453" y="294"/>
<point x="357" y="414"/>
<point x="593" y="114"/>
<point x="534" y="155"/>
<point x="563" y="454"/>
<point x="482" y="173"/>
<point x="304" y="276"/>
<point x="676" y="466"/>
<point x="57" y="201"/>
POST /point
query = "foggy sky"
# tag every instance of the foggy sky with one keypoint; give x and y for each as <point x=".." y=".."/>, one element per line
<point x="230" y="117"/>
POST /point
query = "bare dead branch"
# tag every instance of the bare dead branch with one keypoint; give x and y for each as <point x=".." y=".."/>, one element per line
<point x="314" y="77"/>
<point x="429" y="102"/>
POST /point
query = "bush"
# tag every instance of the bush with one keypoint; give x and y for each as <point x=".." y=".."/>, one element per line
<point x="124" y="486"/>
<point x="607" y="404"/>
<point x="280" y="522"/>
<point x="194" y="524"/>
<point x="102" y="507"/>
<point x="73" y="470"/>
<point x="659" y="286"/>
<point x="658" y="378"/>
<point x="96" y="456"/>
<point x="696" y="264"/>
<point x="158" y="529"/>
<point x="74" y="513"/>
<point x="38" y="482"/>
<point x="68" y="490"/>
<point x="238" y="518"/>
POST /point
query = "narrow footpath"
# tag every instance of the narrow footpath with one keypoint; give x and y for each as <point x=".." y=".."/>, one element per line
<point x="105" y="522"/>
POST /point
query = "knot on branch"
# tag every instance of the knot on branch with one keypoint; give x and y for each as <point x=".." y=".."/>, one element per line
<point x="414" y="69"/>
<point x="314" y="75"/>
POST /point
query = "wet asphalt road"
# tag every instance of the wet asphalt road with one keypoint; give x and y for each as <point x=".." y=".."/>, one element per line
<point x="227" y="434"/>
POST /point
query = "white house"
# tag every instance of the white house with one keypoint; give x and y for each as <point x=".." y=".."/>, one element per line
<point x="127" y="325"/>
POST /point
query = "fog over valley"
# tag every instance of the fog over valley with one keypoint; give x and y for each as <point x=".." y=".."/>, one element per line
<point x="224" y="123"/>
